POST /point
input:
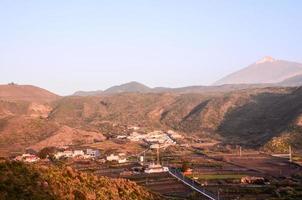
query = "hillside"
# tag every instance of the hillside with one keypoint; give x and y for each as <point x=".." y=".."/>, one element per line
<point x="22" y="181"/>
<point x="135" y="87"/>
<point x="251" y="117"/>
<point x="266" y="70"/>
<point x="292" y="81"/>
<point x="26" y="93"/>
<point x="88" y="93"/>
<point x="67" y="136"/>
<point x="128" y="87"/>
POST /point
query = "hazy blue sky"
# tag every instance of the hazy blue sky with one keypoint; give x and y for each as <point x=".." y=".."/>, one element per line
<point x="65" y="45"/>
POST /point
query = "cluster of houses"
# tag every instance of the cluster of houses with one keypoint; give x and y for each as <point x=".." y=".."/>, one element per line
<point x="120" y="158"/>
<point x="30" y="158"/>
<point x="155" y="138"/>
<point x="89" y="153"/>
<point x="84" y="154"/>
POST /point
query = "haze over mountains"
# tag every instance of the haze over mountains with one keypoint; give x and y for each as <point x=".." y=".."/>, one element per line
<point x="266" y="70"/>
<point x="263" y="73"/>
<point x="135" y="87"/>
<point x="248" y="114"/>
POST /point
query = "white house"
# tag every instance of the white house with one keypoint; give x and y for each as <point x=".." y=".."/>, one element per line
<point x="155" y="168"/>
<point x="174" y="135"/>
<point x="121" y="137"/>
<point x="27" y="158"/>
<point x="112" y="157"/>
<point x="120" y="158"/>
<point x="78" y="153"/>
<point x="93" y="153"/>
<point x="66" y="154"/>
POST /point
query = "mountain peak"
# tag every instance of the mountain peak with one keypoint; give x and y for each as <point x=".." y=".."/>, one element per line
<point x="266" y="59"/>
<point x="128" y="87"/>
<point x="266" y="70"/>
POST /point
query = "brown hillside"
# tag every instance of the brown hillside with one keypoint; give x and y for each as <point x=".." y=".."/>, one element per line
<point x="250" y="117"/>
<point x="25" y="181"/>
<point x="26" y="93"/>
<point x="68" y="136"/>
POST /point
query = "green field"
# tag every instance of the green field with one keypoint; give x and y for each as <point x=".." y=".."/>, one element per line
<point x="218" y="176"/>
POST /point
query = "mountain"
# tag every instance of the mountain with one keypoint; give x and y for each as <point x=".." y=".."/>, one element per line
<point x="88" y="93"/>
<point x="26" y="93"/>
<point x="208" y="89"/>
<point x="135" y="87"/>
<point x="241" y="114"/>
<point x="253" y="117"/>
<point x="249" y="117"/>
<point x="266" y="70"/>
<point x="292" y="81"/>
<point x="128" y="87"/>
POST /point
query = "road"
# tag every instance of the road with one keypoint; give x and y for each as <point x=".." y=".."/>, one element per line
<point x="192" y="184"/>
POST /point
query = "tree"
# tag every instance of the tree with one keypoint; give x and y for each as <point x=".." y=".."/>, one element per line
<point x="47" y="152"/>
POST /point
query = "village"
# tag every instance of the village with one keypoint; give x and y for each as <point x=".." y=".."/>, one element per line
<point x="176" y="166"/>
<point x="155" y="140"/>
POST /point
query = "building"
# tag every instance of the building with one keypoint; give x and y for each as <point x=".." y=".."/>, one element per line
<point x="64" y="154"/>
<point x="121" y="137"/>
<point x="112" y="157"/>
<point x="135" y="128"/>
<point x="77" y="153"/>
<point x="120" y="158"/>
<point x="136" y="137"/>
<point x="27" y="158"/>
<point x="174" y="135"/>
<point x="94" y="153"/>
<point x="141" y="159"/>
<point x="155" y="168"/>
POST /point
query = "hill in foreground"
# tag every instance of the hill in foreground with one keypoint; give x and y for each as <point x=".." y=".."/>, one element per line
<point x="22" y="181"/>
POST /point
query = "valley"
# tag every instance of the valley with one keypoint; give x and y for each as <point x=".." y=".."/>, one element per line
<point x="221" y="142"/>
<point x="151" y="100"/>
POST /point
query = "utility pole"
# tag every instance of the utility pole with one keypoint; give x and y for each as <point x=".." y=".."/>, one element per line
<point x="218" y="194"/>
<point x="158" y="155"/>
<point x="290" y="154"/>
<point x="240" y="151"/>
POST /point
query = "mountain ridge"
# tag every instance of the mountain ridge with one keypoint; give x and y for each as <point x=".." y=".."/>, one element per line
<point x="265" y="71"/>
<point x="250" y="117"/>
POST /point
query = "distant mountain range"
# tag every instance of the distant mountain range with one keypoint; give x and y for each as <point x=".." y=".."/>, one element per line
<point x="88" y="93"/>
<point x="135" y="87"/>
<point x="267" y="72"/>
<point x="256" y="115"/>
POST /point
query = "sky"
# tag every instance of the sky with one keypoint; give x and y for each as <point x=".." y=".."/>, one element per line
<point x="70" y="45"/>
